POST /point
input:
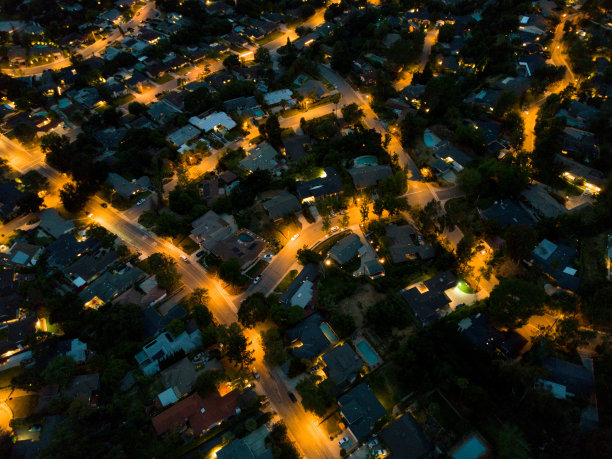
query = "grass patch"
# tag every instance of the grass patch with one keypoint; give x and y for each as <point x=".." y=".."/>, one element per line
<point x="464" y="286"/>
<point x="273" y="36"/>
<point x="186" y="244"/>
<point x="284" y="284"/>
<point x="464" y="214"/>
<point x="256" y="269"/>
<point x="7" y="376"/>
<point x="147" y="219"/>
<point x="332" y="425"/>
<point x="121" y="203"/>
<point x="232" y="135"/>
<point x="440" y="409"/>
<point x="167" y="77"/>
<point x="384" y="387"/>
<point x="123" y="100"/>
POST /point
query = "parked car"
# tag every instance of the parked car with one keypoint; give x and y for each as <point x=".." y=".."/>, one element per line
<point x="104" y="205"/>
<point x="295" y="236"/>
<point x="292" y="396"/>
<point x="141" y="202"/>
<point x="256" y="280"/>
<point x="184" y="258"/>
<point x="343" y="441"/>
<point x="200" y="253"/>
<point x="333" y="229"/>
<point x="373" y="443"/>
<point x="255" y="374"/>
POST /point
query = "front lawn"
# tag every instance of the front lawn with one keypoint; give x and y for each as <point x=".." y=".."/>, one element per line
<point x="284" y="284"/>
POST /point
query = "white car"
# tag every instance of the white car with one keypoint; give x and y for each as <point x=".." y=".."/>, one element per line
<point x="141" y="202"/>
<point x="295" y="236"/>
<point x="256" y="280"/>
<point x="333" y="229"/>
<point x="343" y="441"/>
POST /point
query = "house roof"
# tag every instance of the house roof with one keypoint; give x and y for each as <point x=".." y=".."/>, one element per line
<point x="309" y="333"/>
<point x="209" y="229"/>
<point x="576" y="378"/>
<point x="342" y="365"/>
<point x="310" y="273"/>
<point x="366" y="176"/>
<point x="17" y="332"/>
<point x="557" y="261"/>
<point x="403" y="243"/>
<point x="181" y="375"/>
<point x="361" y="409"/>
<point x="294" y="146"/>
<point x="312" y="87"/>
<point x="405" y="434"/>
<point x="481" y="332"/>
<point x="282" y="204"/>
<point x="213" y="120"/>
<point x="326" y="185"/>
<point x="9" y="195"/>
<point x="52" y="223"/>
<point x="110" y="285"/>
<point x="240" y="103"/>
<point x="22" y="253"/>
<point x="428" y="300"/>
<point x="201" y="413"/>
<point x="346" y="249"/>
<point x="89" y="265"/>
<point x="82" y="387"/>
<point x="153" y="322"/>
<point x="66" y="248"/>
<point x="237" y="449"/>
<point x="507" y="213"/>
<point x="183" y="135"/>
<point x="245" y="246"/>
<point x="122" y="186"/>
<point x="261" y="157"/>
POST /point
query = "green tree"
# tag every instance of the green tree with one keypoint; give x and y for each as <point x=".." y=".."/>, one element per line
<point x="60" y="371"/>
<point x="73" y="197"/>
<point x="254" y="309"/>
<point x="317" y="396"/>
<point x="520" y="241"/>
<point x="364" y="210"/>
<point x="230" y="272"/>
<point x="113" y="374"/>
<point x="231" y="61"/>
<point x="165" y="271"/>
<point x="262" y="56"/>
<point x="352" y="113"/>
<point x="513" y="301"/>
<point x="325" y="223"/>
<point x="136" y="108"/>
<point x="274" y="349"/>
<point x="345" y="221"/>
<point x="469" y="181"/>
<point x="305" y="256"/>
<point x="237" y="346"/>
<point x="30" y="202"/>
<point x="207" y="382"/>
<point x="176" y="327"/>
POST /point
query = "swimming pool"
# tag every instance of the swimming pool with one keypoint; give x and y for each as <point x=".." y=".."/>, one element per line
<point x="471" y="449"/>
<point x="429" y="140"/>
<point x="367" y="160"/>
<point x="328" y="332"/>
<point x="370" y="356"/>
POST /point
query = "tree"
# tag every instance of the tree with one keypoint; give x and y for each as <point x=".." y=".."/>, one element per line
<point x="196" y="303"/>
<point x="281" y="445"/>
<point x="469" y="181"/>
<point x="520" y="241"/>
<point x="113" y="374"/>
<point x="513" y="301"/>
<point x="165" y="271"/>
<point x="325" y="224"/>
<point x="317" y="396"/>
<point x="343" y="324"/>
<point x="272" y="131"/>
<point x="345" y="221"/>
<point x="262" y="56"/>
<point x="255" y="308"/>
<point x="25" y="133"/>
<point x="206" y="382"/>
<point x="305" y="256"/>
<point x="364" y="209"/>
<point x="136" y="108"/>
<point x="73" y="197"/>
<point x="231" y="61"/>
<point x="352" y="113"/>
<point x="274" y="349"/>
<point x="60" y="371"/>
<point x="230" y="272"/>
<point x="465" y="248"/>
<point x="30" y="202"/>
<point x="237" y="346"/>
<point x="176" y="327"/>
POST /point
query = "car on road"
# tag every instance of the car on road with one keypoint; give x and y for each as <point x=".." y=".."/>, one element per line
<point x="141" y="202"/>
<point x="89" y="214"/>
<point x="292" y="396"/>
<point x="256" y="280"/>
<point x="104" y="205"/>
<point x="184" y="258"/>
<point x="295" y="236"/>
<point x="373" y="443"/>
<point x="200" y="253"/>
<point x="255" y="374"/>
<point x="343" y="441"/>
<point x="333" y="229"/>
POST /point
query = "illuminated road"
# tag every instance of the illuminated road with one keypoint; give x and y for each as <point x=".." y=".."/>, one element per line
<point x="431" y="39"/>
<point x="146" y="12"/>
<point x="530" y="114"/>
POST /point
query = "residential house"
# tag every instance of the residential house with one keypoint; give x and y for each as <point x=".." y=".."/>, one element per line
<point x="183" y="135"/>
<point x="591" y="179"/>
<point x="121" y="186"/>
<point x="63" y="251"/>
<point x="530" y="63"/>
<point x="199" y="414"/>
<point x="481" y="332"/>
<point x="137" y="82"/>
<point x="276" y="97"/>
<point x="261" y="157"/>
<point x="209" y="229"/>
<point x="145" y="294"/>
<point x="24" y="254"/>
<point x="360" y="410"/>
<point x="557" y="260"/>
<point x="53" y="224"/>
<point x="313" y="90"/>
<point x="301" y="291"/>
<point x="110" y="285"/>
<point x="153" y="323"/>
<point x="244" y="246"/>
<point x="374" y="268"/>
<point x="406" y="434"/>
<point x="218" y="121"/>
<point x="180" y="376"/>
<point x="541" y="203"/>
<point x="17" y="332"/>
<point x="404" y="243"/>
<point x="507" y="213"/>
<point x="87" y="267"/>
<point x="209" y="190"/>
<point x="310" y="337"/>
<point x="281" y="205"/>
<point x="328" y="184"/>
<point x="579" y="143"/>
<point x="369" y="175"/>
<point x="297" y="146"/>
<point x="75" y="348"/>
<point x="413" y="93"/>
<point x="237" y="449"/>
<point x="88" y="96"/>
<point x="84" y="388"/>
<point x="566" y="379"/>
<point x="110" y="138"/>
<point x="240" y="104"/>
<point x="346" y="249"/>
<point x="161" y="112"/>
<point x="342" y="365"/>
<point x="164" y="346"/>
<point x="428" y="300"/>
